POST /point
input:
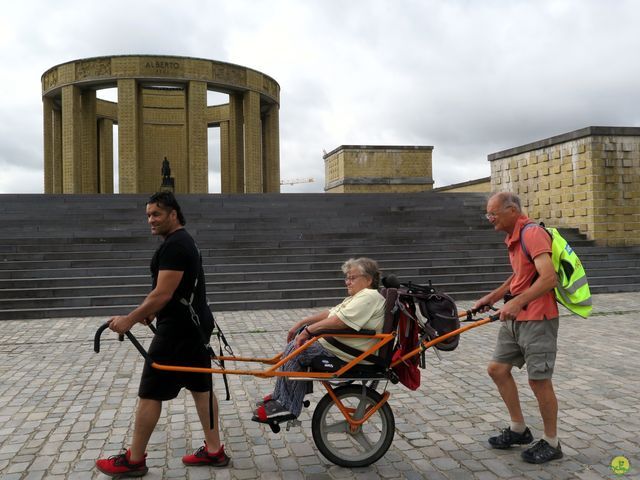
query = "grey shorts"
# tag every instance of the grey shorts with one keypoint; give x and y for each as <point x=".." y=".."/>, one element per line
<point x="533" y="343"/>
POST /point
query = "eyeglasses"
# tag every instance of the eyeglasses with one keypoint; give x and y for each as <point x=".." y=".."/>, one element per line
<point x="351" y="278"/>
<point x="493" y="215"/>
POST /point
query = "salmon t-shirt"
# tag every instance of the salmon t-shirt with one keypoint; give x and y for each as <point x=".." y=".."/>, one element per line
<point x="537" y="241"/>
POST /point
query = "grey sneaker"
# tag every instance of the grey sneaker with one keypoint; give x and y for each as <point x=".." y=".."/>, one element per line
<point x="508" y="437"/>
<point x="541" y="452"/>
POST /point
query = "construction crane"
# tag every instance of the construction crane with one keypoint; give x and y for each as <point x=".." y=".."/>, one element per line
<point x="294" y="181"/>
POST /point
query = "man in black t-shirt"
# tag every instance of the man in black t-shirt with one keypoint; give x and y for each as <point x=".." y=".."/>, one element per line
<point x="175" y="267"/>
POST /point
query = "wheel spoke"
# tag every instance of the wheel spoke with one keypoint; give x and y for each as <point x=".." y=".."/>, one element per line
<point x="337" y="427"/>
<point x="362" y="439"/>
<point x="361" y="409"/>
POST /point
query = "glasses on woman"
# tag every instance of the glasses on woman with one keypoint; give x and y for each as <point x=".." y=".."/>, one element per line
<point x="351" y="278"/>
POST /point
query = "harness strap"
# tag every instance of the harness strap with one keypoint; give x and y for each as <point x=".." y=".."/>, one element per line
<point x="205" y="342"/>
<point x="429" y="330"/>
<point x="354" y="352"/>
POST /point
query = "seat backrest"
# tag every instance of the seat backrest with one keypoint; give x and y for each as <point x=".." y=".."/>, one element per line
<point x="390" y="319"/>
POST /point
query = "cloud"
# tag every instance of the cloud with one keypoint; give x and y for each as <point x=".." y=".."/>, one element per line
<point x="469" y="78"/>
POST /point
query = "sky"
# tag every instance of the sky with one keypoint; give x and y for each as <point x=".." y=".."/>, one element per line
<point x="468" y="77"/>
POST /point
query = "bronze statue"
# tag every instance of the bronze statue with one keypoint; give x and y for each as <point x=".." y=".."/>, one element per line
<point x="167" y="180"/>
<point x="166" y="169"/>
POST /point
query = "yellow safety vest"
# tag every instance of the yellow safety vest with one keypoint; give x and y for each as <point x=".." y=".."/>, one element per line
<point x="572" y="289"/>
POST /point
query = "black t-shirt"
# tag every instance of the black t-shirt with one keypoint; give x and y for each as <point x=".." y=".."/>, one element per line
<point x="179" y="252"/>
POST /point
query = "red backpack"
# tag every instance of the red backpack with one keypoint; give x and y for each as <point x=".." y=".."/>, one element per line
<point x="407" y="340"/>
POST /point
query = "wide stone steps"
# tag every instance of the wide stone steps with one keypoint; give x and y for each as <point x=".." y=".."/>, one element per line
<point x="82" y="255"/>
<point x="291" y="265"/>
<point x="17" y="288"/>
<point x="458" y="291"/>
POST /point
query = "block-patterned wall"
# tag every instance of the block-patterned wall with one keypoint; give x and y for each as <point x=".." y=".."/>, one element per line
<point x="588" y="179"/>
<point x="164" y="134"/>
<point x="363" y="169"/>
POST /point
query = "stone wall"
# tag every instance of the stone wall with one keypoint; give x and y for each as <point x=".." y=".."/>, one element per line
<point x="588" y="179"/>
<point x="382" y="169"/>
<point x="480" y="185"/>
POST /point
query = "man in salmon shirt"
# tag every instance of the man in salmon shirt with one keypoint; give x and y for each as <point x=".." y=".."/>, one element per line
<point x="529" y="328"/>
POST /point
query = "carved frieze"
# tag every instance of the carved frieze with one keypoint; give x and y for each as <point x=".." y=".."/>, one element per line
<point x="99" y="67"/>
<point x="50" y="79"/>
<point x="269" y="86"/>
<point x="230" y="75"/>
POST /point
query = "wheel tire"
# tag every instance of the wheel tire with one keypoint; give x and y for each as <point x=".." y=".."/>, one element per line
<point x="344" y="448"/>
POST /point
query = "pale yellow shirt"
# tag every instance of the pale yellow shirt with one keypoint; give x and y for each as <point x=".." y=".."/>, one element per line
<point x="364" y="310"/>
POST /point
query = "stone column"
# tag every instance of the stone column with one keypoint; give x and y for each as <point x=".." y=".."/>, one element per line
<point x="252" y="143"/>
<point x="47" y="115"/>
<point x="71" y="140"/>
<point x="57" y="151"/>
<point x="197" y="137"/>
<point x="89" y="142"/>
<point x="105" y="155"/>
<point x="129" y="128"/>
<point x="236" y="144"/>
<point x="225" y="159"/>
<point x="271" y="150"/>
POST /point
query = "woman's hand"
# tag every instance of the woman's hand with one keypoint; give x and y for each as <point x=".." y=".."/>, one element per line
<point x="292" y="333"/>
<point x="303" y="337"/>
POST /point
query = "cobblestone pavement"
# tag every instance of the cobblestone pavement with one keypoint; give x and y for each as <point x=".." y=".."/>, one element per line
<point x="62" y="406"/>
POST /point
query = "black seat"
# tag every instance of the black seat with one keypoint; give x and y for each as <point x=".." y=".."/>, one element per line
<point x="381" y="360"/>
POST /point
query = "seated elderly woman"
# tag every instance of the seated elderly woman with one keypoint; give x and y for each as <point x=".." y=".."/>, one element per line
<point x="362" y="309"/>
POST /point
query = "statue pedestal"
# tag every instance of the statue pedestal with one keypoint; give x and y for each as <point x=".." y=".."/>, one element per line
<point x="168" y="185"/>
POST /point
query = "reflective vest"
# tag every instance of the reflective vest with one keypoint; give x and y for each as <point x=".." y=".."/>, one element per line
<point x="572" y="289"/>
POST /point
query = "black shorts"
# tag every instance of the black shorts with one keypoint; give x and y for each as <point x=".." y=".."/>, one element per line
<point x="165" y="385"/>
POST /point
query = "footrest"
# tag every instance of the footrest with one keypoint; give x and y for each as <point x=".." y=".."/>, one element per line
<point x="275" y="422"/>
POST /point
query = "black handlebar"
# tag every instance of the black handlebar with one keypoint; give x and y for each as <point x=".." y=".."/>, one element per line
<point x="132" y="339"/>
<point x="96" y="338"/>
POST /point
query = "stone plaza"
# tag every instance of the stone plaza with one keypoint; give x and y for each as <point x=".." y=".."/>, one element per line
<point x="62" y="406"/>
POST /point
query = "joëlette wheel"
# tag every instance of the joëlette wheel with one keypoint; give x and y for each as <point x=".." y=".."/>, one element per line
<point x="348" y="447"/>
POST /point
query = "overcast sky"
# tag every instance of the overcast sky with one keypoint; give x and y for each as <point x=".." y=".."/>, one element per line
<point x="468" y="77"/>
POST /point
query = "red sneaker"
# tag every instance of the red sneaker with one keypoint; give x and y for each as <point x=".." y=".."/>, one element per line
<point x="119" y="466"/>
<point x="203" y="457"/>
<point x="265" y="399"/>
<point x="271" y="410"/>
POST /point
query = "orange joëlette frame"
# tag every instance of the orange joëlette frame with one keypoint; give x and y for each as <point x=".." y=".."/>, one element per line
<point x="277" y="361"/>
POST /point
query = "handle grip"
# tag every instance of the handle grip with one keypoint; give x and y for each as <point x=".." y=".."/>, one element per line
<point x="129" y="335"/>
<point x="96" y="338"/>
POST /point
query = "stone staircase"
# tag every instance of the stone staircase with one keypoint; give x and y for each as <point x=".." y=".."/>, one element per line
<point x="88" y="255"/>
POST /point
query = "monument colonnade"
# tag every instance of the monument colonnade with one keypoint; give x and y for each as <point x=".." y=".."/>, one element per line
<point x="161" y="112"/>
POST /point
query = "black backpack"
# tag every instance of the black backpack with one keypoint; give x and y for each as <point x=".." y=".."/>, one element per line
<point x="442" y="315"/>
<point x="437" y="308"/>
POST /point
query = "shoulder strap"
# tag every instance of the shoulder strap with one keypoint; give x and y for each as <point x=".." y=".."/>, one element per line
<point x="205" y="342"/>
<point x="524" y="227"/>
<point x="194" y="315"/>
